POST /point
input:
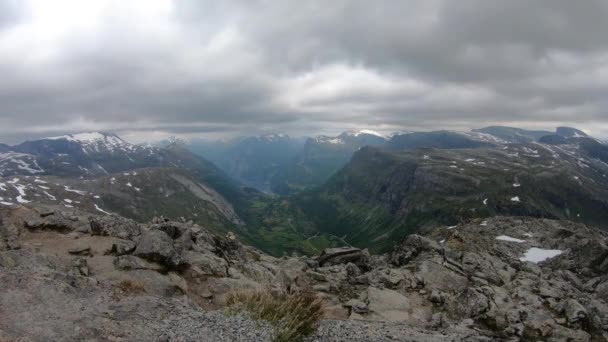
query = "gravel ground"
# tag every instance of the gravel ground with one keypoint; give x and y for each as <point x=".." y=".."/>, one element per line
<point x="212" y="326"/>
<point x="360" y="331"/>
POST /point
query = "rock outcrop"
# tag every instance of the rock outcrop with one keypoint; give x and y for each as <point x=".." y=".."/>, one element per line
<point x="505" y="279"/>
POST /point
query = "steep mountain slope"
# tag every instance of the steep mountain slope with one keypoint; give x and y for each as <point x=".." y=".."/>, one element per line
<point x="111" y="175"/>
<point x="569" y="132"/>
<point x="254" y="161"/>
<point x="97" y="154"/>
<point x="139" y="194"/>
<point x="381" y="196"/>
<point x="320" y="158"/>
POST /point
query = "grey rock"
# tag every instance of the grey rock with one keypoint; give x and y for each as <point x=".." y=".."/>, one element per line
<point x="205" y="264"/>
<point x="601" y="291"/>
<point x="357" y="306"/>
<point x="156" y="246"/>
<point x="114" y="226"/>
<point x="83" y="250"/>
<point x="437" y="297"/>
<point x="122" y="247"/>
<point x="352" y="270"/>
<point x="80" y="267"/>
<point x="410" y="248"/>
<point x="344" y="255"/>
<point x="386" y="305"/>
<point x="576" y="314"/>
<point x="468" y="304"/>
<point x="130" y="262"/>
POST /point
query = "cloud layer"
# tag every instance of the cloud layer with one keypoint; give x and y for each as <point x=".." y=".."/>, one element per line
<point x="148" y="68"/>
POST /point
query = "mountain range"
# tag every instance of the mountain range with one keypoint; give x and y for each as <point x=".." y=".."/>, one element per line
<point x="285" y="194"/>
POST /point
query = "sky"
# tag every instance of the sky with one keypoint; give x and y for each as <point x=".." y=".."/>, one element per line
<point x="148" y="69"/>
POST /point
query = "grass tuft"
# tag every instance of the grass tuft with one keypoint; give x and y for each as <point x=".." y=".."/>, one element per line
<point x="293" y="315"/>
<point x="130" y="287"/>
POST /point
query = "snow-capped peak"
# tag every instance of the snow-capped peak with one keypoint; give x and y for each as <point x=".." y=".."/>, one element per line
<point x="364" y="131"/>
<point x="323" y="139"/>
<point x="87" y="137"/>
<point x="273" y="137"/>
<point x="96" y="141"/>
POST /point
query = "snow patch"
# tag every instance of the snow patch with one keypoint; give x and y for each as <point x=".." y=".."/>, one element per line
<point x="537" y="255"/>
<point x="80" y="192"/>
<point x="21" y="189"/>
<point x="101" y="210"/>
<point x="53" y="198"/>
<point x="509" y="239"/>
<point x="20" y="199"/>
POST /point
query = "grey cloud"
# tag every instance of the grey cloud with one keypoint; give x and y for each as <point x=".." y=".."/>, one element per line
<point x="240" y="66"/>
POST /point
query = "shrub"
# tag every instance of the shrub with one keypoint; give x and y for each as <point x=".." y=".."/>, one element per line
<point x="293" y="315"/>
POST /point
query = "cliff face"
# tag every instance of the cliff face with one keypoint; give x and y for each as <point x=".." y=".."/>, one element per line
<point x="72" y="276"/>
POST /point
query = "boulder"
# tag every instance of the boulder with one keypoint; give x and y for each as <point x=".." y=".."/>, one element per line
<point x="575" y="313"/>
<point x="114" y="226"/>
<point x="183" y="242"/>
<point x="344" y="255"/>
<point x="156" y="246"/>
<point x="468" y="304"/>
<point x="55" y="221"/>
<point x="122" y="247"/>
<point x="352" y="270"/>
<point x="357" y="306"/>
<point x="173" y="229"/>
<point x="205" y="264"/>
<point x="386" y="305"/>
<point x="130" y="262"/>
<point x="601" y="291"/>
<point x="410" y="248"/>
<point x="292" y="273"/>
<point x="81" y="250"/>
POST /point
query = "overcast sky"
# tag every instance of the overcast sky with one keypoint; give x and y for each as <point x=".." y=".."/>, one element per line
<point x="152" y="68"/>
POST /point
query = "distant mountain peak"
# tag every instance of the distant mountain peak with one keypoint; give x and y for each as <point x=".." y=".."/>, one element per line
<point x="357" y="133"/>
<point x="570" y="132"/>
<point x="96" y="141"/>
<point x="273" y="137"/>
<point x="324" y="139"/>
<point x="85" y="137"/>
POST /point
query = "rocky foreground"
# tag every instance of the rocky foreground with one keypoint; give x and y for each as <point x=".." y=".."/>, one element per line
<point x="72" y="276"/>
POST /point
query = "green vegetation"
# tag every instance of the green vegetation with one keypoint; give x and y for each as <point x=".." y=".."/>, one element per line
<point x="380" y="197"/>
<point x="293" y="315"/>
